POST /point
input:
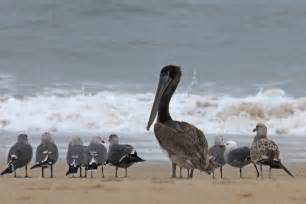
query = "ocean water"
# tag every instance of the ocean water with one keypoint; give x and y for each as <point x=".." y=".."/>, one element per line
<point x="91" y="67"/>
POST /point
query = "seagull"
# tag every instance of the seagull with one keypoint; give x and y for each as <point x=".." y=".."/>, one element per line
<point x="75" y="156"/>
<point x="97" y="154"/>
<point x="19" y="156"/>
<point x="217" y="153"/>
<point x="266" y="152"/>
<point x="185" y="144"/>
<point x="237" y="157"/>
<point x="121" y="155"/>
<point x="46" y="154"/>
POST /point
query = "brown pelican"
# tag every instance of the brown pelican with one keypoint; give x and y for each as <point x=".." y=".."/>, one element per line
<point x="185" y="144"/>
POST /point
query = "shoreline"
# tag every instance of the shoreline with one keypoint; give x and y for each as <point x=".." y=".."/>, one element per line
<point x="151" y="183"/>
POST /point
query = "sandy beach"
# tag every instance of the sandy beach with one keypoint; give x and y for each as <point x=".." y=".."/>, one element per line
<point x="150" y="183"/>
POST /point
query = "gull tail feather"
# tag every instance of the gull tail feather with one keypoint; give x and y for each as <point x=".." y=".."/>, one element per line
<point x="286" y="170"/>
<point x="8" y="170"/>
<point x="36" y="166"/>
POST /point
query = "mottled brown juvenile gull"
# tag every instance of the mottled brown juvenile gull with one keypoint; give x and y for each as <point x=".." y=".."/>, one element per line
<point x="121" y="155"/>
<point x="19" y="156"/>
<point x="185" y="144"/>
<point x="265" y="152"/>
<point x="46" y="154"/>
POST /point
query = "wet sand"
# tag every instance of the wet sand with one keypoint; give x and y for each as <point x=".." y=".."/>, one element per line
<point x="150" y="183"/>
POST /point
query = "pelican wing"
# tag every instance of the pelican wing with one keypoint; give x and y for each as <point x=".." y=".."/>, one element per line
<point x="183" y="141"/>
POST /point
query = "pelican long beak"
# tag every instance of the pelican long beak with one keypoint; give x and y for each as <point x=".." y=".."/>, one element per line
<point x="163" y="84"/>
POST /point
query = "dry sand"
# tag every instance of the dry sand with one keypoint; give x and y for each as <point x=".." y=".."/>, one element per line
<point x="150" y="183"/>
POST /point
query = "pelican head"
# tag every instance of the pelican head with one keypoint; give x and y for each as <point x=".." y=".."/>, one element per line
<point x="169" y="78"/>
<point x="261" y="130"/>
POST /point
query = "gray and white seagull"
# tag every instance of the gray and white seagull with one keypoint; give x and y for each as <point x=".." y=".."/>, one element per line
<point x="238" y="157"/>
<point x="217" y="154"/>
<point x="19" y="156"/>
<point x="97" y="154"/>
<point x="121" y="155"/>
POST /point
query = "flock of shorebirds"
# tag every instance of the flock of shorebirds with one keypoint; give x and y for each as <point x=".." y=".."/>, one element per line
<point x="186" y="145"/>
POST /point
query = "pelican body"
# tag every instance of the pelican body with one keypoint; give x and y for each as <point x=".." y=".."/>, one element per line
<point x="185" y="144"/>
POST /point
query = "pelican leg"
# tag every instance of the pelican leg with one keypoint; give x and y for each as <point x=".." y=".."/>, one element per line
<point x="26" y="171"/>
<point x="181" y="176"/>
<point x="51" y="171"/>
<point x="173" y="170"/>
<point x="221" y="172"/>
<point x="125" y="173"/>
<point x="261" y="175"/>
<point x="102" y="172"/>
<point x="191" y="173"/>
<point x="116" y="174"/>
<point x="240" y="171"/>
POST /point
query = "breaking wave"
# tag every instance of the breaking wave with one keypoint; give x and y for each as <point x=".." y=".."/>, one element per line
<point x="128" y="112"/>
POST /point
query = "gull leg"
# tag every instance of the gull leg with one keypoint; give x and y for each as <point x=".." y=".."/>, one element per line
<point x="51" y="171"/>
<point x="256" y="169"/>
<point x="240" y="171"/>
<point x="213" y="174"/>
<point x="116" y="174"/>
<point x="270" y="171"/>
<point x="261" y="175"/>
<point x="102" y="172"/>
<point x="42" y="172"/>
<point x="80" y="172"/>
<point x="188" y="173"/>
<point x="15" y="174"/>
<point x="181" y="176"/>
<point x="173" y="170"/>
<point x="221" y="172"/>
<point x="125" y="172"/>
<point x="26" y="171"/>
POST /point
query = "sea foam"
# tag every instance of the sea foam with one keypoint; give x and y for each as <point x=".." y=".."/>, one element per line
<point x="128" y="112"/>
